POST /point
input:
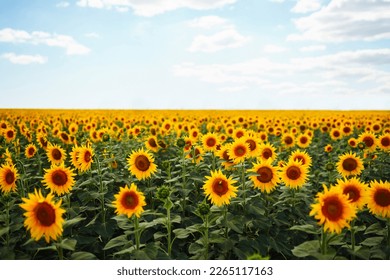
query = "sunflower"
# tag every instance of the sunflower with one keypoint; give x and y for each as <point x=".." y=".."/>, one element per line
<point x="210" y="142"/>
<point x="239" y="150"/>
<point x="253" y="144"/>
<point x="85" y="158"/>
<point x="268" y="177"/>
<point x="59" y="179"/>
<point x="194" y="134"/>
<point x="333" y="210"/>
<point x="294" y="174"/>
<point x="9" y="134"/>
<point x="129" y="201"/>
<point x="267" y="151"/>
<point x="43" y="216"/>
<point x="353" y="142"/>
<point x="195" y="153"/>
<point x="8" y="176"/>
<point x="303" y="140"/>
<point x="384" y="142"/>
<point x="301" y="156"/>
<point x="219" y="189"/>
<point x="346" y="130"/>
<point x="55" y="154"/>
<point x="30" y="151"/>
<point x="42" y="140"/>
<point x="64" y="137"/>
<point x="222" y="153"/>
<point x="336" y="134"/>
<point x="369" y="139"/>
<point x="378" y="201"/>
<point x="151" y="144"/>
<point x="349" y="164"/>
<point x="288" y="140"/>
<point x="328" y="148"/>
<point x="355" y="190"/>
<point x="74" y="155"/>
<point x="238" y="133"/>
<point x="141" y="164"/>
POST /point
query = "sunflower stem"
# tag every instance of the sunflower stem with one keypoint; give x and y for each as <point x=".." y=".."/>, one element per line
<point x="243" y="185"/>
<point x="323" y="242"/>
<point x="169" y="238"/>
<point x="206" y="236"/>
<point x="225" y="210"/>
<point x="353" y="241"/>
<point x="22" y="183"/>
<point x="101" y="191"/>
<point x="59" y="250"/>
<point x="137" y="233"/>
<point x="388" y="238"/>
<point x="7" y="206"/>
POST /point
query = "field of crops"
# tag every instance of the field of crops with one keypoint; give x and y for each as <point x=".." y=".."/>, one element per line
<point x="194" y="184"/>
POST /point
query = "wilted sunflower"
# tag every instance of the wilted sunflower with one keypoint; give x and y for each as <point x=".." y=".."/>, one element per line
<point x="59" y="179"/>
<point x="141" y="164"/>
<point x="43" y="216"/>
<point x="239" y="150"/>
<point x="219" y="189"/>
<point x="294" y="174"/>
<point x="355" y="190"/>
<point x="8" y="176"/>
<point x="301" y="156"/>
<point x="333" y="210"/>
<point x="30" y="151"/>
<point x="378" y="201"/>
<point x="349" y="164"/>
<point x="85" y="158"/>
<point x="55" y="154"/>
<point x="267" y="178"/>
<point x="369" y="139"/>
<point x="129" y="201"/>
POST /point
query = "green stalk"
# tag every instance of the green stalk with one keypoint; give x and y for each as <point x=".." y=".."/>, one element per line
<point x="169" y="229"/>
<point x="353" y="241"/>
<point x="59" y="250"/>
<point x="323" y="242"/>
<point x="101" y="191"/>
<point x="206" y="236"/>
<point x="388" y="238"/>
<point x="137" y="233"/>
<point x="243" y="185"/>
<point x="7" y="219"/>
<point x="225" y="220"/>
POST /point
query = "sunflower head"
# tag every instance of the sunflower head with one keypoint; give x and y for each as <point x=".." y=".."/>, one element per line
<point x="55" y="154"/>
<point x="355" y="190"/>
<point x="219" y="189"/>
<point x="267" y="178"/>
<point x="301" y="156"/>
<point x="59" y="179"/>
<point x="8" y="176"/>
<point x="349" y="164"/>
<point x="294" y="174"/>
<point x="141" y="164"/>
<point x="30" y="151"/>
<point x="84" y="158"/>
<point x="129" y="201"/>
<point x="239" y="150"/>
<point x="43" y="216"/>
<point x="210" y="141"/>
<point x="378" y="198"/>
<point x="369" y="139"/>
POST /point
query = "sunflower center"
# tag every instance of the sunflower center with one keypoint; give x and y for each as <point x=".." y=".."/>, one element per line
<point x="45" y="214"/>
<point x="239" y="151"/>
<point x="142" y="163"/>
<point x="130" y="200"/>
<point x="368" y="141"/>
<point x="336" y="134"/>
<point x="220" y="187"/>
<point x="385" y="141"/>
<point x="303" y="140"/>
<point x="349" y="164"/>
<point x="211" y="142"/>
<point x="10" y="134"/>
<point x="87" y="156"/>
<point x="226" y="157"/>
<point x="9" y="177"/>
<point x="64" y="136"/>
<point x="267" y="153"/>
<point x="31" y="151"/>
<point x="382" y="197"/>
<point x="288" y="140"/>
<point x="56" y="154"/>
<point x="352" y="192"/>
<point x="252" y="144"/>
<point x="59" y="177"/>
<point x="332" y="209"/>
<point x="293" y="172"/>
<point x="152" y="142"/>
<point x="265" y="174"/>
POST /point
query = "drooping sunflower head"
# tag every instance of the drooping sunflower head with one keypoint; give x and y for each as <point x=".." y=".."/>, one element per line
<point x="301" y="156"/>
<point x="355" y="190"/>
<point x="55" y="154"/>
<point x="294" y="174"/>
<point x="8" y="176"/>
<point x="239" y="150"/>
<point x="378" y="201"/>
<point x="59" y="179"/>
<point x="141" y="164"/>
<point x="369" y="139"/>
<point x="333" y="210"/>
<point x="349" y="165"/>
<point x="30" y="151"/>
<point x="43" y="216"/>
<point x="267" y="178"/>
<point x="129" y="201"/>
<point x="219" y="189"/>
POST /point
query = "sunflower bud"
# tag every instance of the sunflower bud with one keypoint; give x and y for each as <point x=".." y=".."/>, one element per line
<point x="329" y="166"/>
<point x="106" y="137"/>
<point x="180" y="142"/>
<point x="163" y="192"/>
<point x="361" y="145"/>
<point x="204" y="209"/>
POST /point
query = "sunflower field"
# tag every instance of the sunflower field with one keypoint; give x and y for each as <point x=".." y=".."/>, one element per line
<point x="149" y="184"/>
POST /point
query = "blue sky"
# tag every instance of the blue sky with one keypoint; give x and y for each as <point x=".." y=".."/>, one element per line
<point x="195" y="54"/>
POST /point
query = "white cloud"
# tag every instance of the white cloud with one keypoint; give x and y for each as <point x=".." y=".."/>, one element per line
<point x="38" y="37"/>
<point x="24" y="59"/>
<point x="92" y="35"/>
<point x="305" y="6"/>
<point x="313" y="48"/>
<point x="270" y="48"/>
<point x="345" y="20"/>
<point x="62" y="4"/>
<point x="150" y="8"/>
<point x="208" y="22"/>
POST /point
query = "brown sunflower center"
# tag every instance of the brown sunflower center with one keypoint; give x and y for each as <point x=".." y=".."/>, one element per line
<point x="59" y="177"/>
<point x="336" y="133"/>
<point x="368" y="141"/>
<point x="252" y="144"/>
<point x="382" y="197"/>
<point x="9" y="177"/>
<point x="56" y="154"/>
<point x="45" y="214"/>
<point x="152" y="143"/>
<point x="142" y="163"/>
<point x="239" y="134"/>
<point x="10" y="134"/>
<point x="385" y="141"/>
<point x="288" y="140"/>
<point x="220" y="187"/>
<point x="332" y="208"/>
<point x="265" y="174"/>
<point x="226" y="157"/>
<point x="64" y="136"/>
<point x="293" y="172"/>
<point x="130" y="200"/>
<point x="303" y="139"/>
<point x="239" y="151"/>
<point x="87" y="156"/>
<point x="31" y="151"/>
<point x="350" y="164"/>
<point x="211" y="142"/>
<point x="267" y="153"/>
<point x="352" y="192"/>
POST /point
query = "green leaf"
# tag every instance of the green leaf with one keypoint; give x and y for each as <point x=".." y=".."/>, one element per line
<point x="117" y="241"/>
<point x="311" y="229"/>
<point x="375" y="229"/>
<point x="181" y="233"/>
<point x="73" y="221"/>
<point x="306" y="249"/>
<point x="372" y="241"/>
<point x="83" y="256"/>
<point x="68" y="244"/>
<point x="4" y="230"/>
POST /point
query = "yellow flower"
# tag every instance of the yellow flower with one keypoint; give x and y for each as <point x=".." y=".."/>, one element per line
<point x="268" y="177"/>
<point x="239" y="150"/>
<point x="294" y="174"/>
<point x="141" y="164"/>
<point x="349" y="164"/>
<point x="55" y="154"/>
<point x="210" y="142"/>
<point x="219" y="189"/>
<point x="369" y="140"/>
<point x="355" y="190"/>
<point x="43" y="216"/>
<point x="30" y="150"/>
<point x="59" y="179"/>
<point x="379" y="198"/>
<point x="8" y="176"/>
<point x="84" y="158"/>
<point x="129" y="201"/>
<point x="301" y="156"/>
